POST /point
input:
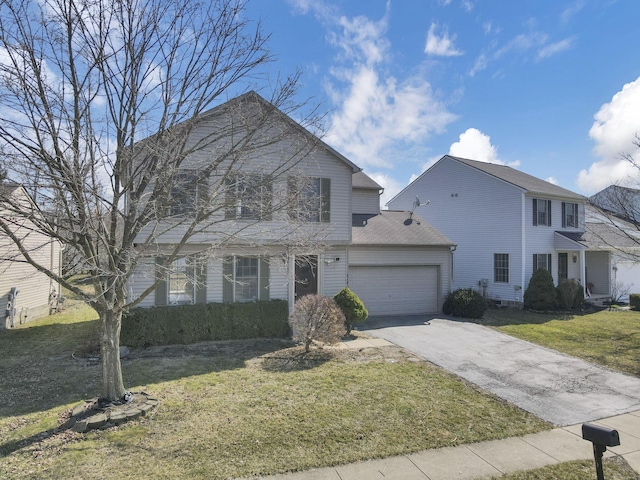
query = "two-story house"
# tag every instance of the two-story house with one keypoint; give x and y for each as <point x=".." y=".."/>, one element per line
<point x="506" y="224"/>
<point x="283" y="225"/>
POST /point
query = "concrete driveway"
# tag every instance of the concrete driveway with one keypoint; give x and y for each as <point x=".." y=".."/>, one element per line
<point x="558" y="388"/>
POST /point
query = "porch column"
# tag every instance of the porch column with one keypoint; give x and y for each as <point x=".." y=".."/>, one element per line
<point x="583" y="272"/>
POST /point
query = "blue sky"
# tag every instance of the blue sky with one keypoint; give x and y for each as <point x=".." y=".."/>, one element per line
<point x="549" y="87"/>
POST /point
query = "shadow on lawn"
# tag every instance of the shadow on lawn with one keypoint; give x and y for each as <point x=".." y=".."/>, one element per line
<point x="45" y="366"/>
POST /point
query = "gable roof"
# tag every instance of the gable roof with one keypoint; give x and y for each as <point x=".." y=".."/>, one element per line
<point x="254" y="96"/>
<point x="391" y="227"/>
<point x="526" y="182"/>
<point x="364" y="181"/>
<point x="520" y="179"/>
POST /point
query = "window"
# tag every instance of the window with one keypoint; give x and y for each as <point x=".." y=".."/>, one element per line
<point x="310" y="199"/>
<point x="181" y="282"/>
<point x="541" y="260"/>
<point x="501" y="267"/>
<point x="569" y="215"/>
<point x="182" y="197"/>
<point x="245" y="279"/>
<point x="248" y="197"/>
<point x="541" y="212"/>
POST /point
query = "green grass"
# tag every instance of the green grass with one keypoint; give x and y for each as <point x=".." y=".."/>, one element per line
<point x="231" y="409"/>
<point x="609" y="338"/>
<point x="613" y="468"/>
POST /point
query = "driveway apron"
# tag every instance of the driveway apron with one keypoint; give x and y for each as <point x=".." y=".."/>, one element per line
<point x="558" y="388"/>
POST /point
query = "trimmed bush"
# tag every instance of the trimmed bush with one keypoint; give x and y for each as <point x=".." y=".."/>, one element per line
<point x="465" y="303"/>
<point x="541" y="293"/>
<point x="184" y="324"/>
<point x="570" y="295"/>
<point x="634" y="301"/>
<point x="352" y="307"/>
<point x="317" y="318"/>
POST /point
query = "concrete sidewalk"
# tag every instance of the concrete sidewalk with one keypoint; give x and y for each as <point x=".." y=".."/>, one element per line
<point x="488" y="459"/>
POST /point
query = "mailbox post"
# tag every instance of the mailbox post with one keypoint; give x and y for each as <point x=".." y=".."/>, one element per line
<point x="601" y="438"/>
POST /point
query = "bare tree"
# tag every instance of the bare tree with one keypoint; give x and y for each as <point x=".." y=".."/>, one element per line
<point x="103" y="107"/>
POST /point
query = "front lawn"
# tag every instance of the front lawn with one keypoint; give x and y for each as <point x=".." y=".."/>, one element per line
<point x="609" y="338"/>
<point x="614" y="468"/>
<point x="231" y="409"/>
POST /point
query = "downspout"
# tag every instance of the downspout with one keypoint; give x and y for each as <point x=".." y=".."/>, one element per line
<point x="523" y="252"/>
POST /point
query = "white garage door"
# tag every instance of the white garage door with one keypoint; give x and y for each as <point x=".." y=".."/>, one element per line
<point x="396" y="290"/>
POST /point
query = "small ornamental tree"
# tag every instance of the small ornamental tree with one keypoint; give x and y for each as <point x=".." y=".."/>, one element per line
<point x="352" y="307"/>
<point x="570" y="295"/>
<point x="465" y="303"/>
<point x="319" y="318"/>
<point x="541" y="293"/>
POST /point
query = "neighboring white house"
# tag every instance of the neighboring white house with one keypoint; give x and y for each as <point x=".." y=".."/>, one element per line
<point x="612" y="223"/>
<point x="25" y="292"/>
<point x="263" y="255"/>
<point x="506" y="224"/>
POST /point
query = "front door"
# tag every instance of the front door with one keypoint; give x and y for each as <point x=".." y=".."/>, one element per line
<point x="563" y="266"/>
<point x="306" y="276"/>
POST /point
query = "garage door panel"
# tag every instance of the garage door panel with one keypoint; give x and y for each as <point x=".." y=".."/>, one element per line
<point x="396" y="290"/>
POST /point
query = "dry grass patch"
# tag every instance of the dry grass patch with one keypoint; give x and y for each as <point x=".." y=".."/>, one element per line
<point x="615" y="468"/>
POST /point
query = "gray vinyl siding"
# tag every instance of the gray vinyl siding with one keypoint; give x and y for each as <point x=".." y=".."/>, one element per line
<point x="333" y="272"/>
<point x="34" y="286"/>
<point x="320" y="163"/>
<point x="479" y="213"/>
<point x="365" y="201"/>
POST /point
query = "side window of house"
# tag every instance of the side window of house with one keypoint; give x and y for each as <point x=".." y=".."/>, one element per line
<point x="541" y="260"/>
<point x="501" y="267"/>
<point x="569" y="215"/>
<point x="310" y="199"/>
<point x="249" y="197"/>
<point x="541" y="212"/>
<point x="245" y="279"/>
<point x="181" y="282"/>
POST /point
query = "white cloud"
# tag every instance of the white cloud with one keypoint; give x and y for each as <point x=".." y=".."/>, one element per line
<point x="441" y="45"/>
<point x="570" y="11"/>
<point x="475" y="145"/>
<point x="613" y="132"/>
<point x="378" y="119"/>
<point x="553" y="180"/>
<point x="555" y="48"/>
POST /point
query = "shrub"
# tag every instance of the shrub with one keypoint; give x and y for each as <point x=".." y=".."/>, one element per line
<point x="634" y="301"/>
<point x="319" y="318"/>
<point x="352" y="307"/>
<point x="183" y="324"/>
<point x="541" y="293"/>
<point x="570" y="295"/>
<point x="466" y="303"/>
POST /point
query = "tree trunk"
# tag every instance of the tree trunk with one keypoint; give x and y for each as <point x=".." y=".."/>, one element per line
<point x="112" y="384"/>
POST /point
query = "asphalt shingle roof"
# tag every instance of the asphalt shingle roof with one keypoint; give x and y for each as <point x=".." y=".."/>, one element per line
<point x="362" y="180"/>
<point x="392" y="227"/>
<point x="520" y="179"/>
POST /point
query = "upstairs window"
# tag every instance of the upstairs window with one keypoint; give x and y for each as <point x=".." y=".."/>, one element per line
<point x="187" y="189"/>
<point x="569" y="215"/>
<point x="541" y="212"/>
<point x="310" y="199"/>
<point x="248" y="197"/>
